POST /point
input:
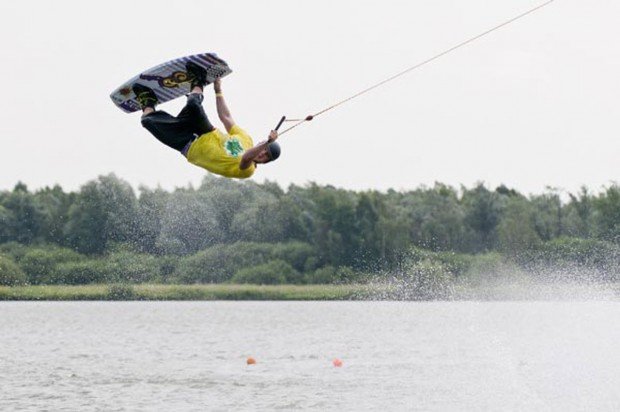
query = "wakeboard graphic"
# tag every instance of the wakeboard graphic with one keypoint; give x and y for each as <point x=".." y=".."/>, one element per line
<point x="168" y="80"/>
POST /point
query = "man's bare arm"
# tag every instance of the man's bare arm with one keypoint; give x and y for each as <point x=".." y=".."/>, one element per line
<point x="222" y="109"/>
<point x="250" y="155"/>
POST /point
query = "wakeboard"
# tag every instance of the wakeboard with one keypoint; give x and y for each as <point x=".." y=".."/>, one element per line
<point x="168" y="80"/>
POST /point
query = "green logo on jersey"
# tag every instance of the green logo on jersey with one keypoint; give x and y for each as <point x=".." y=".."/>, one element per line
<point x="233" y="147"/>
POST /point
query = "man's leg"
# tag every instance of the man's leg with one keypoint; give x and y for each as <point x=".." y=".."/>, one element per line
<point x="171" y="131"/>
<point x="167" y="129"/>
<point x="194" y="114"/>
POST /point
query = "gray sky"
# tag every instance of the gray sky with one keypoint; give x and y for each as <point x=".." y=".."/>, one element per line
<point x="533" y="105"/>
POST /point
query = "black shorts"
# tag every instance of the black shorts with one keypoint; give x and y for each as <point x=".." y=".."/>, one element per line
<point x="177" y="132"/>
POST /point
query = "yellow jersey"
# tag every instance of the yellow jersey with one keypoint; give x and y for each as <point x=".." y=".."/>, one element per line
<point x="221" y="154"/>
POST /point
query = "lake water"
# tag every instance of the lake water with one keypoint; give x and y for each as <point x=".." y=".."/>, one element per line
<point x="191" y="356"/>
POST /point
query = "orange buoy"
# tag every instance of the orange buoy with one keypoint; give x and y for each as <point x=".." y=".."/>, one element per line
<point x="251" y="361"/>
<point x="337" y="362"/>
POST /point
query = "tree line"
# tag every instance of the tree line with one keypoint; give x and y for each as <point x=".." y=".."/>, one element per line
<point x="223" y="230"/>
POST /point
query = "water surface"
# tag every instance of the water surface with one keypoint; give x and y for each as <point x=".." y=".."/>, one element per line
<point x="191" y="356"/>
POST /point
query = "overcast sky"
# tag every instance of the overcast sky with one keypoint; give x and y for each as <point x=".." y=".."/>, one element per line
<point x="533" y="105"/>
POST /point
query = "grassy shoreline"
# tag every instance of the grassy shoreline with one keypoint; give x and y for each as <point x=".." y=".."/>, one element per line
<point x="183" y="292"/>
<point x="210" y="292"/>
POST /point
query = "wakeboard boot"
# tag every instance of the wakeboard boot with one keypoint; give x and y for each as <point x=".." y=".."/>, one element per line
<point x="197" y="75"/>
<point x="145" y="96"/>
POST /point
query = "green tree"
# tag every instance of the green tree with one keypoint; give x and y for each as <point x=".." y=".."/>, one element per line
<point x="367" y="217"/>
<point x="227" y="199"/>
<point x="548" y="215"/>
<point x="220" y="262"/>
<point x="579" y="214"/>
<point x="393" y="230"/>
<point x="150" y="213"/>
<point x="607" y="214"/>
<point x="10" y="272"/>
<point x="274" y="272"/>
<point x="516" y="229"/>
<point x="7" y="224"/>
<point x="54" y="205"/>
<point x="482" y="214"/>
<point x="298" y="254"/>
<point x="83" y="272"/>
<point x="259" y="220"/>
<point x="104" y="212"/>
<point x="41" y="264"/>
<point x="189" y="223"/>
<point x="131" y="267"/>
<point x="24" y="220"/>
<point x="335" y="234"/>
<point x="437" y="218"/>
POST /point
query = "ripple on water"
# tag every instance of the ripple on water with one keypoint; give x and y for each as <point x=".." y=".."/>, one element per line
<point x="397" y="355"/>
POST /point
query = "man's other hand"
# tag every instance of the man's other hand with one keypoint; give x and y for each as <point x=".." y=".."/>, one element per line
<point x="273" y="136"/>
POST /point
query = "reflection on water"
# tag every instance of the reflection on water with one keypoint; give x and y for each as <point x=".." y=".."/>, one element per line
<point x="396" y="355"/>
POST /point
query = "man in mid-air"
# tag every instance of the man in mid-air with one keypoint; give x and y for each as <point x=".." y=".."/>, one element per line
<point x="192" y="134"/>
